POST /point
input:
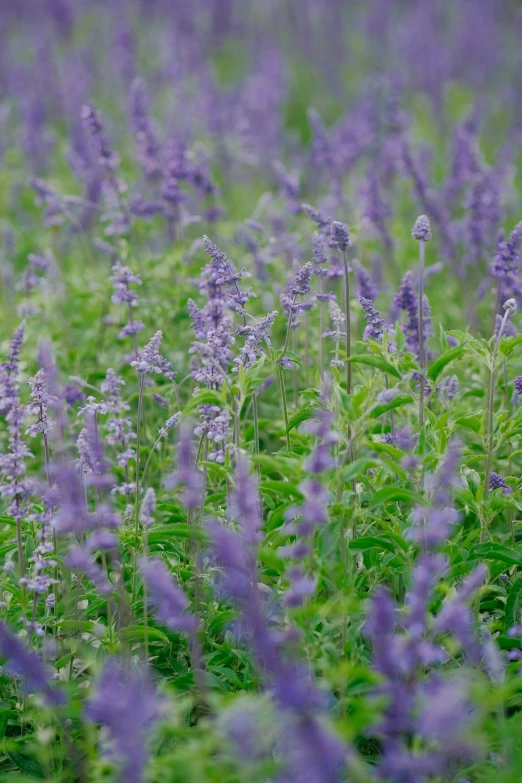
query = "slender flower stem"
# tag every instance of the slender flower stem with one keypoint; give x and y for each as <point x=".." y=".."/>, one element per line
<point x="322" y="327"/>
<point x="283" y="397"/>
<point x="348" y="327"/>
<point x="421" y="332"/>
<point x="295" y="371"/>
<point x="491" y="404"/>
<point x="137" y="495"/>
<point x="256" y="432"/>
<point x="146" y="600"/>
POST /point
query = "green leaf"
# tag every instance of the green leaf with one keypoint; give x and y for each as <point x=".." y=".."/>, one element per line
<point x="497" y="552"/>
<point x="371" y="542"/>
<point x="356" y="467"/>
<point x="395" y="494"/>
<point x="439" y="364"/>
<point x="470" y="420"/>
<point x="304" y="414"/>
<point x="512" y="610"/>
<point x="386" y="448"/>
<point x="378" y="361"/>
<point x="136" y="633"/>
<point x="402" y="399"/>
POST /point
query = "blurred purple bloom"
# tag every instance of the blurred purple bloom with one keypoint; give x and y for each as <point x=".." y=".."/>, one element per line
<point x="125" y="701"/>
<point x="170" y="601"/>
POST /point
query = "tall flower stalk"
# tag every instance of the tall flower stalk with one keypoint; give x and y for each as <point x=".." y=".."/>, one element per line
<point x="15" y="486"/>
<point x="292" y="309"/>
<point x="421" y="232"/>
<point x="340" y="238"/>
<point x="509" y="308"/>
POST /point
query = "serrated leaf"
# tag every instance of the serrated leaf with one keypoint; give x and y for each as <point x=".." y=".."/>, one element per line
<point x="376" y="360"/>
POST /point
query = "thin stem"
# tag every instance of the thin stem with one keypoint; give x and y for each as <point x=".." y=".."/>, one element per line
<point x="137" y="495"/>
<point x="307" y="349"/>
<point x="256" y="432"/>
<point x="149" y="457"/>
<point x="295" y="370"/>
<point x="421" y="332"/>
<point x="322" y="327"/>
<point x="491" y="404"/>
<point x="146" y="601"/>
<point x="348" y="327"/>
<point x="285" y="409"/>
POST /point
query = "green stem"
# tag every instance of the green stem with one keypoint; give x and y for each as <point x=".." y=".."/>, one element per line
<point x="421" y="332"/>
<point x="348" y="327"/>
<point x="491" y="405"/>
<point x="256" y="432"/>
<point x="285" y="409"/>
<point x="137" y="495"/>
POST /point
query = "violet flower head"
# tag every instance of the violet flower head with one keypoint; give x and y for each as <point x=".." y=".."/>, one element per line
<point x="125" y="702"/>
<point x="148" y="508"/>
<point x="364" y="283"/>
<point x="38" y="405"/>
<point x="215" y="424"/>
<point x="319" y="257"/>
<point x="518" y="384"/>
<point x="340" y="236"/>
<point x="255" y="336"/>
<point x="187" y="472"/>
<point x="498" y="482"/>
<point x="375" y="324"/>
<point x="322" y="221"/>
<point x="422" y="229"/>
<point x="301" y="284"/>
<point x="245" y="504"/>
<point x="150" y="360"/>
<point x="169" y="599"/>
<point x="408" y="301"/>
<point x="24" y="663"/>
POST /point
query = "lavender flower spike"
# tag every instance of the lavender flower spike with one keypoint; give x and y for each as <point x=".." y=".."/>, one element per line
<point x="125" y="702"/>
<point x="25" y="664"/>
<point x="375" y="324"/>
<point x="422" y="229"/>
<point x="340" y="235"/>
<point x="170" y="600"/>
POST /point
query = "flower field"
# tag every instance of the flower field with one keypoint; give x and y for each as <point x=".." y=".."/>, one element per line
<point x="260" y="391"/>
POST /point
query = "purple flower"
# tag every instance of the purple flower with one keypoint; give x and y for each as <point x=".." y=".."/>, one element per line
<point x="498" y="482"/>
<point x="150" y="360"/>
<point x="322" y="221"/>
<point x="38" y="404"/>
<point x="23" y="663"/>
<point x="187" y="472"/>
<point x="148" y="146"/>
<point x="170" y="601"/>
<point x="375" y="324"/>
<point x="408" y="301"/>
<point x="340" y="236"/>
<point x="125" y="701"/>
<point x="518" y="384"/>
<point x="215" y="424"/>
<point x="422" y="229"/>
<point x="364" y="283"/>
<point x="148" y="508"/>
<point x="255" y="336"/>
